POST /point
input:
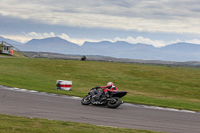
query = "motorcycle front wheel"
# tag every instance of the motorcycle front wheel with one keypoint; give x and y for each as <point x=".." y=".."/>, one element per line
<point x="116" y="102"/>
<point x="86" y="100"/>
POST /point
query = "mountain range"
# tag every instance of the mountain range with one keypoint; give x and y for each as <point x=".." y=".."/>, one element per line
<point x="174" y="52"/>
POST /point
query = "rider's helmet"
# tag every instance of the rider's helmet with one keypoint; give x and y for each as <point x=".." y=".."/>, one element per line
<point x="110" y="84"/>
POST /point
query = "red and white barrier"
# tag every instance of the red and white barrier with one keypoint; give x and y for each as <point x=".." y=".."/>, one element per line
<point x="64" y="85"/>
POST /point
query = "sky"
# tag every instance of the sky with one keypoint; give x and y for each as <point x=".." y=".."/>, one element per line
<point x="154" y="22"/>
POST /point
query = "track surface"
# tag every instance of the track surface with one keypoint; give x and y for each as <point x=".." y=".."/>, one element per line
<point x="68" y="109"/>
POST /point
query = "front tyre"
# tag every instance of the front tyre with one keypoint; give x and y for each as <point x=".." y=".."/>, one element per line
<point x="116" y="102"/>
<point x="86" y="100"/>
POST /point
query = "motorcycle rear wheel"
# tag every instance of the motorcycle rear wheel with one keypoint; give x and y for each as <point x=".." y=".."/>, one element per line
<point x="114" y="104"/>
<point x="86" y="100"/>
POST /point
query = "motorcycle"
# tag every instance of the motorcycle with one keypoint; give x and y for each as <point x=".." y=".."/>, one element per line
<point x="110" y="98"/>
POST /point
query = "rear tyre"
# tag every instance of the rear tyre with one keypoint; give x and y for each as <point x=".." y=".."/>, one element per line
<point x="114" y="103"/>
<point x="86" y="100"/>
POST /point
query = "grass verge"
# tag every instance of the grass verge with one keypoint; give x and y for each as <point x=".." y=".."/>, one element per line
<point x="15" y="124"/>
<point x="160" y="85"/>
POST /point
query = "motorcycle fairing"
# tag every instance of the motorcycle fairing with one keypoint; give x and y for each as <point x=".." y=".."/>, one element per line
<point x="117" y="93"/>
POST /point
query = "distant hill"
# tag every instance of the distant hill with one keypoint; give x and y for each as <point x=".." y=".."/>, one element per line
<point x="54" y="44"/>
<point x="182" y="47"/>
<point x="174" y="52"/>
<point x="119" y="49"/>
<point x="181" y="52"/>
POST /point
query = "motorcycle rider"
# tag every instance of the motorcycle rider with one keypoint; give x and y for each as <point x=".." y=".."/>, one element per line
<point x="110" y="87"/>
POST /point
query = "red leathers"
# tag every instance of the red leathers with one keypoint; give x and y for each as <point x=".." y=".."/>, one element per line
<point x="109" y="88"/>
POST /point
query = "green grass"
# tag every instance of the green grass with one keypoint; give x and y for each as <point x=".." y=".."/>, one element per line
<point x="159" y="85"/>
<point x="15" y="124"/>
<point x="4" y="54"/>
<point x="17" y="54"/>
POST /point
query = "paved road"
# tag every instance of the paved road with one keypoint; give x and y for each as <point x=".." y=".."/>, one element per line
<point x="69" y="109"/>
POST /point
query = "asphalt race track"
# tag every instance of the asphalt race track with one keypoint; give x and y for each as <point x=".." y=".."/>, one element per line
<point x="54" y="107"/>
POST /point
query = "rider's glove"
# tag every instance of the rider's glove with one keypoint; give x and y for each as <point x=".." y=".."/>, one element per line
<point x="97" y="87"/>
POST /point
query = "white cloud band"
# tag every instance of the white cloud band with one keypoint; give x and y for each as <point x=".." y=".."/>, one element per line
<point x="152" y="16"/>
<point x="80" y="41"/>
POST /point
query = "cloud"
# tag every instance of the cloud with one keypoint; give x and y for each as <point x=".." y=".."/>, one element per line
<point x="36" y="35"/>
<point x="194" y="41"/>
<point x="143" y="40"/>
<point x="140" y="39"/>
<point x="80" y="41"/>
<point x="143" y="15"/>
<point x="18" y="38"/>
